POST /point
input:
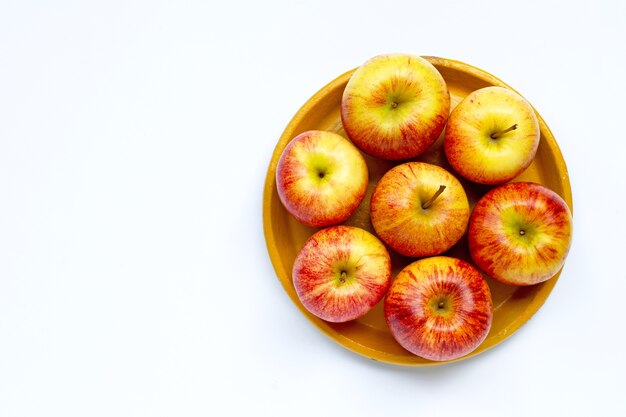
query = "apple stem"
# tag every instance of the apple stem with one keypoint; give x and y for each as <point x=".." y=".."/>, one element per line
<point x="342" y="278"/>
<point x="394" y="104"/>
<point x="434" y="197"/>
<point x="502" y="132"/>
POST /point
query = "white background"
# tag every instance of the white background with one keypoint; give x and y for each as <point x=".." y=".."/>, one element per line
<point x="134" y="141"/>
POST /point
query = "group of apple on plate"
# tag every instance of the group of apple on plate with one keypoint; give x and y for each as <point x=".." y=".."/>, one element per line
<point x="394" y="107"/>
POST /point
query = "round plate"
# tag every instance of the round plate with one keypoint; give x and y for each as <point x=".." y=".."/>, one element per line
<point x="369" y="335"/>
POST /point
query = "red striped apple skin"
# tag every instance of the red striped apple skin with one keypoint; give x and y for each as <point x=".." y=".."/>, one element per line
<point x="401" y="222"/>
<point x="439" y="308"/>
<point x="341" y="273"/>
<point x="520" y="233"/>
<point x="321" y="178"/>
<point x="395" y="106"/>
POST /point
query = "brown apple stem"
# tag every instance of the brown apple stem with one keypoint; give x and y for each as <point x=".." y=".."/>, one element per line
<point x="342" y="278"/>
<point x="434" y="197"/>
<point x="502" y="132"/>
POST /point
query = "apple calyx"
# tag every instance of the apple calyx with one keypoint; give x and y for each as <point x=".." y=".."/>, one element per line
<point x="320" y="172"/>
<point x="434" y="197"/>
<point x="496" y="135"/>
<point x="343" y="276"/>
<point x="440" y="305"/>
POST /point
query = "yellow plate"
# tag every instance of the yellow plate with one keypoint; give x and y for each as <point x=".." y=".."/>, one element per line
<point x="369" y="335"/>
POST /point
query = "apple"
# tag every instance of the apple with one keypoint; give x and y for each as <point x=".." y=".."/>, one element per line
<point x="419" y="209"/>
<point x="439" y="308"/>
<point x="395" y="106"/>
<point x="492" y="136"/>
<point x="321" y="178"/>
<point x="341" y="273"/>
<point x="520" y="233"/>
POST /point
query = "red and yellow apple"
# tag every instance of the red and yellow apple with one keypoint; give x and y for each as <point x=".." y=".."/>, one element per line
<point x="419" y="209"/>
<point x="492" y="136"/>
<point x="520" y="233"/>
<point x="341" y="273"/>
<point x="395" y="106"/>
<point x="321" y="178"/>
<point x="439" y="308"/>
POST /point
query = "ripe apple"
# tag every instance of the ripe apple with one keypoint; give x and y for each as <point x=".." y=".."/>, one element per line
<point x="439" y="308"/>
<point x="341" y="273"/>
<point x="321" y="178"/>
<point x="492" y="136"/>
<point x="395" y="106"/>
<point x="419" y="209"/>
<point x="520" y="233"/>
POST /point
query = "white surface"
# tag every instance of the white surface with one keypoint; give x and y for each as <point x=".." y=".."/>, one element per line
<point x="134" y="141"/>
